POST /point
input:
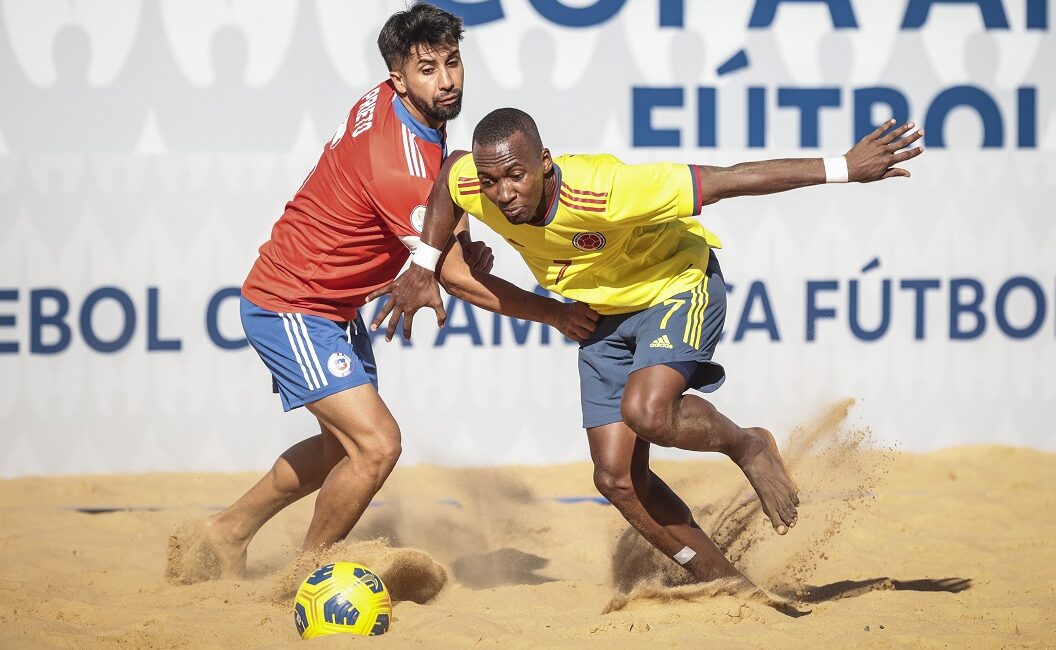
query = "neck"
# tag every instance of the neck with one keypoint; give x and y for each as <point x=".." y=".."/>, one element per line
<point x="549" y="189"/>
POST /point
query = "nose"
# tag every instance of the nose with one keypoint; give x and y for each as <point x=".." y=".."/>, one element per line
<point x="505" y="194"/>
<point x="447" y="80"/>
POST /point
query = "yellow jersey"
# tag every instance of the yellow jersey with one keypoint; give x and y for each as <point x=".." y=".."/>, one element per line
<point x="620" y="238"/>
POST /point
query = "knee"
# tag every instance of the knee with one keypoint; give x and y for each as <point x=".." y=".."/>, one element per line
<point x="388" y="450"/>
<point x="381" y="449"/>
<point x="616" y="486"/>
<point x="651" y="418"/>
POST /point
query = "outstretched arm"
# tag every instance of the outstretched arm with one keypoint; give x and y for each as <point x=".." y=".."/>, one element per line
<point x="872" y="159"/>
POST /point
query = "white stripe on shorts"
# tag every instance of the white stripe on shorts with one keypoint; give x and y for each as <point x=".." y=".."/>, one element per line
<point x="296" y="354"/>
<point x="304" y="352"/>
<point x="311" y="348"/>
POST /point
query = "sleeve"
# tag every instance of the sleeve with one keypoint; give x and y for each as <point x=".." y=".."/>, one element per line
<point x="465" y="186"/>
<point x="399" y="202"/>
<point x="653" y="193"/>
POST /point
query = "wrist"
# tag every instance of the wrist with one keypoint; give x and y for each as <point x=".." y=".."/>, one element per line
<point x="426" y="257"/>
<point x="836" y="170"/>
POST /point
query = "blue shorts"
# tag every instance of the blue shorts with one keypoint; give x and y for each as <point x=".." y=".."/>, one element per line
<point x="309" y="357"/>
<point x="682" y="332"/>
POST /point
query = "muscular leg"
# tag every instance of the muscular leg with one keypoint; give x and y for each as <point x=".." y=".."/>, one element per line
<point x="349" y="460"/>
<point x="370" y="437"/>
<point x="655" y="408"/>
<point x="622" y="475"/>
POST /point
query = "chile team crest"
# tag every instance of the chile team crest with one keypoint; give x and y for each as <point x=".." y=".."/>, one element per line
<point x="589" y="241"/>
<point x="339" y="365"/>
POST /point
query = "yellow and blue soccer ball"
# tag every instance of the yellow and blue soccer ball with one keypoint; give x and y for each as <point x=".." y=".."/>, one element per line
<point x="342" y="598"/>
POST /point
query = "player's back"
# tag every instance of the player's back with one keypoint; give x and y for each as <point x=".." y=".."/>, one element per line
<point x="340" y="236"/>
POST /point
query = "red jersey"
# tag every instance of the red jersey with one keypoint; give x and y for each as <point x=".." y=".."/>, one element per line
<point x="343" y="235"/>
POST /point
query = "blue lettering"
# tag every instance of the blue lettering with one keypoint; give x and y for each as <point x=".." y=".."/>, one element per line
<point x="521" y="329"/>
<point x="840" y="11"/>
<point x="472" y="13"/>
<point x="993" y="13"/>
<point x="672" y="13"/>
<point x="212" y="321"/>
<point x="970" y="96"/>
<point x="865" y="99"/>
<point x="706" y="117"/>
<point x="38" y="321"/>
<point x="8" y="320"/>
<point x="470" y="328"/>
<point x="557" y="12"/>
<point x="1027" y="107"/>
<point x="885" y="312"/>
<point x="756" y="117"/>
<point x="1002" y="299"/>
<point x="959" y="308"/>
<point x="815" y="313"/>
<point x="128" y="310"/>
<point x="1037" y="14"/>
<point x="154" y="342"/>
<point x="757" y="292"/>
<point x="643" y="101"/>
<point x="919" y="289"/>
<point x="810" y="101"/>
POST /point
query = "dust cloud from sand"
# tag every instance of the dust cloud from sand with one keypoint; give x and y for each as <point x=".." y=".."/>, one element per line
<point x="836" y="469"/>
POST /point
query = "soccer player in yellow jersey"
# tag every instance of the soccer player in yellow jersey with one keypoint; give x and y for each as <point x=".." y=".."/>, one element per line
<point x="623" y="240"/>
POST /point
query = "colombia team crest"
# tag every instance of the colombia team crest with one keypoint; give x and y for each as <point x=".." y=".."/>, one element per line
<point x="339" y="365"/>
<point x="589" y="241"/>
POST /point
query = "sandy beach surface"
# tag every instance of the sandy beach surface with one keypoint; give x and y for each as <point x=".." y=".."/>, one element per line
<point x="950" y="549"/>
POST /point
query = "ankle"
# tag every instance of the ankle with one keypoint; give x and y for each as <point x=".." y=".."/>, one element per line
<point x="748" y="446"/>
<point x="229" y="530"/>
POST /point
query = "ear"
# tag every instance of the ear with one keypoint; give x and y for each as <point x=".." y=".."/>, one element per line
<point x="548" y="162"/>
<point x="398" y="81"/>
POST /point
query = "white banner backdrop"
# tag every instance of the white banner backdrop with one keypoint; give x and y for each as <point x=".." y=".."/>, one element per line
<point x="147" y="147"/>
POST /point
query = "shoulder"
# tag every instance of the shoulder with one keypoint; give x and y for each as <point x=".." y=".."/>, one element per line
<point x="464" y="185"/>
<point x="587" y="180"/>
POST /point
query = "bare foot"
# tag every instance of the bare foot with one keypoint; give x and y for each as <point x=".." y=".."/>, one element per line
<point x="766" y="471"/>
<point x="200" y="551"/>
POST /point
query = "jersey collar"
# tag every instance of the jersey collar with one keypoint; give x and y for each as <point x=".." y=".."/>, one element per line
<point x="436" y="136"/>
<point x="551" y="211"/>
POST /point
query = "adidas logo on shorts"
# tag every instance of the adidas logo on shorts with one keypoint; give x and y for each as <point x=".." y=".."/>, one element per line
<point x="662" y="342"/>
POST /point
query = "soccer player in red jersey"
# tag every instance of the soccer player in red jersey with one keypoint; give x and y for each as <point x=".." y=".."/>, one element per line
<point x="345" y="234"/>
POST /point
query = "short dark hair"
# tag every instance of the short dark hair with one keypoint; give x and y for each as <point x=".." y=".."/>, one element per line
<point x="422" y="24"/>
<point x="498" y="125"/>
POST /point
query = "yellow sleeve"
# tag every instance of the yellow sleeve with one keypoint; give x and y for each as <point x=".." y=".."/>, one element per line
<point x="653" y="193"/>
<point x="465" y="186"/>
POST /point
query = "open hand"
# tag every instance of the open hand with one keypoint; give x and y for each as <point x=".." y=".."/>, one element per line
<point x="876" y="155"/>
<point x="415" y="288"/>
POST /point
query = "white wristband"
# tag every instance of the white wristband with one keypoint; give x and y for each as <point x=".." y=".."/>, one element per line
<point x="426" y="256"/>
<point x="685" y="555"/>
<point x="835" y="169"/>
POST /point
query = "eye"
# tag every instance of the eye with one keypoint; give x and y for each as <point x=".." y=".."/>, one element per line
<point x="518" y="177"/>
<point x="428" y="70"/>
<point x="486" y="182"/>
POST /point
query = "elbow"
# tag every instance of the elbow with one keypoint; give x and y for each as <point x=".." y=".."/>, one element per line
<point x="454" y="282"/>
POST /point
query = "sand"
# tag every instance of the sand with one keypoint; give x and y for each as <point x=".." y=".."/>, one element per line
<point x="948" y="549"/>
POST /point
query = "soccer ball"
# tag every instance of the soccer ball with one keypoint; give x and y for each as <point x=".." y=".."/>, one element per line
<point x="342" y="598"/>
